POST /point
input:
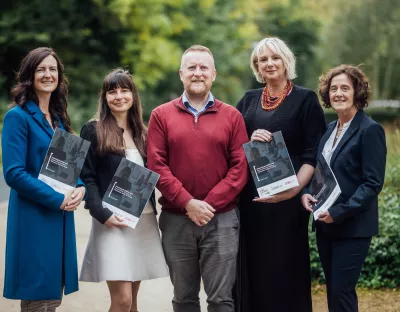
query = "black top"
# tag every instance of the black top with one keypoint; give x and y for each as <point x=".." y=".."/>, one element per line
<point x="358" y="164"/>
<point x="300" y="118"/>
<point x="97" y="174"/>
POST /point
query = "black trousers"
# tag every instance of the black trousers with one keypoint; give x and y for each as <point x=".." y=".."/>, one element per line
<point x="342" y="260"/>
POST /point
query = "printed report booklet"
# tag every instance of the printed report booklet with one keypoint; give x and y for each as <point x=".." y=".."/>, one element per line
<point x="64" y="161"/>
<point x="129" y="191"/>
<point x="270" y="165"/>
<point x="323" y="187"/>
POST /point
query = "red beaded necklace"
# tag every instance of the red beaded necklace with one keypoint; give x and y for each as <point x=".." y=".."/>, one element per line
<point x="269" y="103"/>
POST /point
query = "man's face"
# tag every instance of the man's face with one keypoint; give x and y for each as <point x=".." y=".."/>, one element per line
<point x="197" y="73"/>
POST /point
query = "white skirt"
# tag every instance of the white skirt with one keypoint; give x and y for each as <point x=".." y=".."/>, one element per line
<point x="124" y="254"/>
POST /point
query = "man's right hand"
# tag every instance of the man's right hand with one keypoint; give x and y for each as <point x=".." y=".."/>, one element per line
<point x="115" y="221"/>
<point x="199" y="211"/>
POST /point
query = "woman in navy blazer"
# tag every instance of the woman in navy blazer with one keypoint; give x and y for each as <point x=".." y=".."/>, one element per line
<point x="41" y="256"/>
<point x="355" y="148"/>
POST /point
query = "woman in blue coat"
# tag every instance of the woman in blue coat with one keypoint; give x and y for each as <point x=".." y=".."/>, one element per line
<point x="41" y="260"/>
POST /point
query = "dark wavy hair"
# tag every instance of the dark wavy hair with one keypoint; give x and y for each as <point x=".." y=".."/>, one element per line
<point x="362" y="91"/>
<point x="108" y="132"/>
<point x="24" y="91"/>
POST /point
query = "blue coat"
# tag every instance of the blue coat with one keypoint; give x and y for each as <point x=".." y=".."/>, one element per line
<point x="40" y="243"/>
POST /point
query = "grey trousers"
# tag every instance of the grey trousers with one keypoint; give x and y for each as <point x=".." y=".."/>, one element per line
<point x="39" y="305"/>
<point x="208" y="252"/>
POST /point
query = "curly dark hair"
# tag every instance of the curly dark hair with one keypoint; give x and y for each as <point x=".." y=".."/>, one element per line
<point x="357" y="77"/>
<point x="24" y="91"/>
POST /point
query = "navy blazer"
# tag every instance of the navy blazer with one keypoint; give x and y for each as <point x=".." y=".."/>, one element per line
<point x="358" y="163"/>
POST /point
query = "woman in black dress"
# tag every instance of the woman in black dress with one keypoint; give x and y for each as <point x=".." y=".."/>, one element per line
<point x="274" y="270"/>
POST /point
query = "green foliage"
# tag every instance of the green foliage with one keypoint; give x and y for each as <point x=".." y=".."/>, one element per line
<point x="367" y="32"/>
<point x="94" y="36"/>
<point x="222" y="26"/>
<point x="382" y="266"/>
<point x="84" y="36"/>
<point x="381" y="115"/>
<point x="299" y="31"/>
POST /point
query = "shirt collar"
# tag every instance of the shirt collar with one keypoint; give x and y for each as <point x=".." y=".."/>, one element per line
<point x="209" y="102"/>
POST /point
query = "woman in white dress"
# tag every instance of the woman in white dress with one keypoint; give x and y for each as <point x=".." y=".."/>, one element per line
<point x="115" y="253"/>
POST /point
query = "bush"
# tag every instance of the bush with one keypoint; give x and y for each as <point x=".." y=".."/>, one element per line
<point x="382" y="266"/>
<point x="379" y="114"/>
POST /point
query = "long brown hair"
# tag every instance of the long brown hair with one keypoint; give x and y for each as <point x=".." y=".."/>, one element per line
<point x="24" y="91"/>
<point x="109" y="135"/>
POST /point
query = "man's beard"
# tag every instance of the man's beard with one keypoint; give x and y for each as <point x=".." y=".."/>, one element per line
<point x="197" y="91"/>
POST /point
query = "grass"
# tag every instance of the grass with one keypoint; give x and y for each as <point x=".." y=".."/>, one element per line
<point x="382" y="300"/>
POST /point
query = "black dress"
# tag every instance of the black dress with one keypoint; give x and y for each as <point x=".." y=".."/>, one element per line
<point x="274" y="264"/>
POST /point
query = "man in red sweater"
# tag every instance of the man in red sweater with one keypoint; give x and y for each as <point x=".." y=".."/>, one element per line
<point x="195" y="143"/>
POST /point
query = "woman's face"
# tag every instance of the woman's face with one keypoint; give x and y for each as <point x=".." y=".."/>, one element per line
<point x="341" y="94"/>
<point x="270" y="65"/>
<point x="119" y="100"/>
<point x="46" y="76"/>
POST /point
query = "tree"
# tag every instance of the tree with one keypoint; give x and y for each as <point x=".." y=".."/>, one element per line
<point x="368" y="33"/>
<point x="299" y="31"/>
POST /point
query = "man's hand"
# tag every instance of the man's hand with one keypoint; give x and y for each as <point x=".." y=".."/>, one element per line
<point x="199" y="211"/>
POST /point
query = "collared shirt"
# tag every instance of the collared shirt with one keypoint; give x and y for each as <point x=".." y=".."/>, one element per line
<point x="328" y="147"/>
<point x="194" y="111"/>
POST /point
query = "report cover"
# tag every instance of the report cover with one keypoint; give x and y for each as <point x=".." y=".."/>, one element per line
<point x="323" y="187"/>
<point x="64" y="161"/>
<point x="270" y="165"/>
<point x="129" y="191"/>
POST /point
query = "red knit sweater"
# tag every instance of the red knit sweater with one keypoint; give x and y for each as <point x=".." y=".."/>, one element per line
<point x="197" y="157"/>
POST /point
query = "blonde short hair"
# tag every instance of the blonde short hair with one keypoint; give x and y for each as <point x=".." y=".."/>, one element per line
<point x="197" y="48"/>
<point x="279" y="47"/>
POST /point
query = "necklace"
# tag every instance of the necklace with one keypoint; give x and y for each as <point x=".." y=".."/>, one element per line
<point x="339" y="131"/>
<point x="269" y="102"/>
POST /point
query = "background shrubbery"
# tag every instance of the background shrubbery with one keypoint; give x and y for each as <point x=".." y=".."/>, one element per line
<point x="382" y="267"/>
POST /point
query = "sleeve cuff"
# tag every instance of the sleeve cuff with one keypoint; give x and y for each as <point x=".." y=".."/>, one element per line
<point x="183" y="199"/>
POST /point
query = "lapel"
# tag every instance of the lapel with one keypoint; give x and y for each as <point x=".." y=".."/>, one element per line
<point x="326" y="136"/>
<point x="38" y="116"/>
<point x="355" y="123"/>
